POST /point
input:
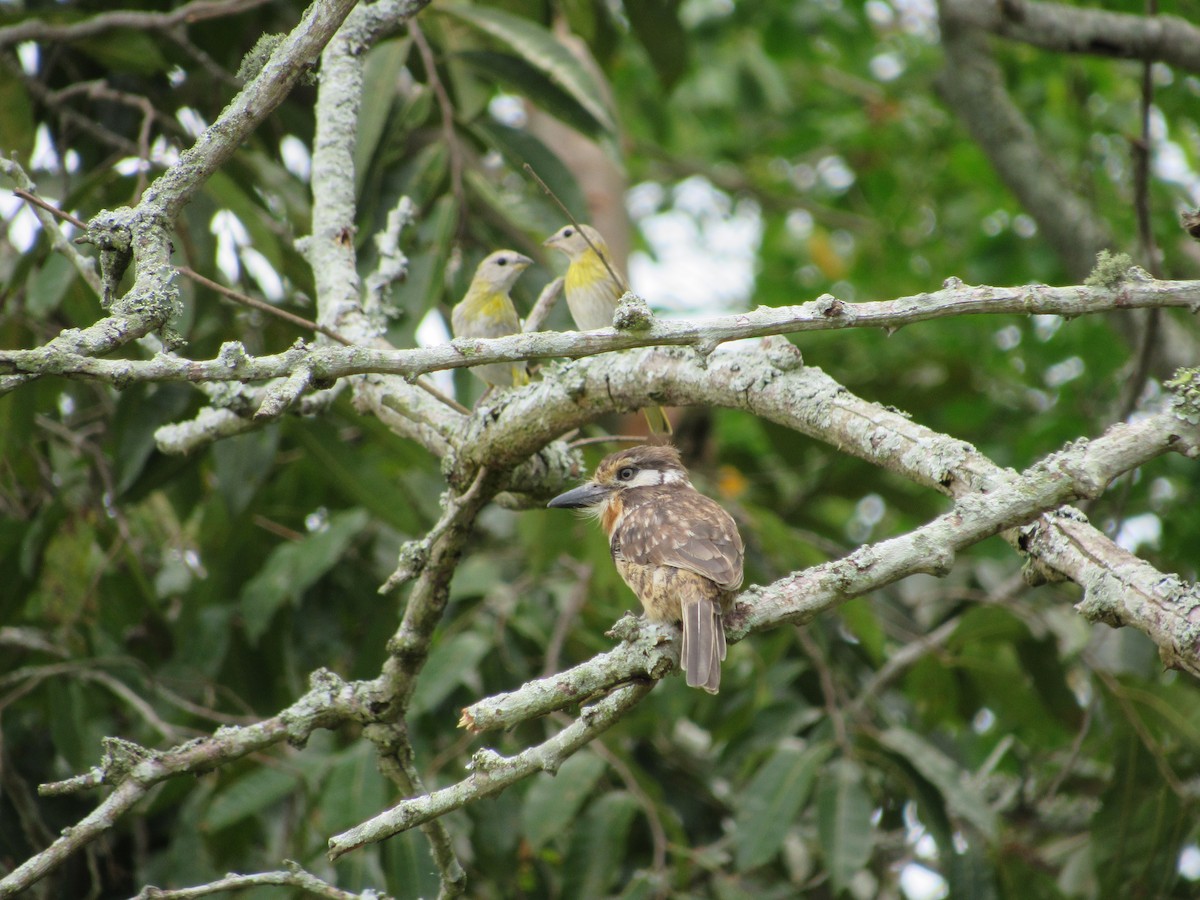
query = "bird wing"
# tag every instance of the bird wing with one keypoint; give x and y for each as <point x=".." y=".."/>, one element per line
<point x="684" y="529"/>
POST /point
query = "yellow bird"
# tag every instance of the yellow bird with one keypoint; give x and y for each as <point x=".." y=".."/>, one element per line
<point x="594" y="290"/>
<point x="486" y="311"/>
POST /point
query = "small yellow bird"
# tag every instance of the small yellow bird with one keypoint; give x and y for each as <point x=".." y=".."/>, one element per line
<point x="486" y="311"/>
<point x="594" y="290"/>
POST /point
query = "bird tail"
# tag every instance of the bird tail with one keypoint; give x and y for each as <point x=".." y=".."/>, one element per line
<point x="703" y="644"/>
<point x="657" y="421"/>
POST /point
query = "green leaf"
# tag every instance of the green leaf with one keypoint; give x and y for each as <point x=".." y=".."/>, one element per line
<point x="554" y="800"/>
<point x="292" y="568"/>
<point x="449" y="663"/>
<point x="373" y="486"/>
<point x="525" y="79"/>
<point x="74" y="725"/>
<point x="381" y="68"/>
<point x="861" y="620"/>
<point x="140" y="412"/>
<point x="427" y="269"/>
<point x="961" y="797"/>
<point x="970" y="874"/>
<point x="247" y="796"/>
<point x="844" y="822"/>
<point x="16" y="120"/>
<point x="1138" y="831"/>
<point x="538" y="47"/>
<point x="656" y="24"/>
<point x="237" y="196"/>
<point x="353" y="789"/>
<point x="769" y="804"/>
<point x="597" y="855"/>
<point x="410" y="870"/>
<point x="48" y="284"/>
<point x="125" y="50"/>
<point x="242" y="464"/>
<point x="518" y="147"/>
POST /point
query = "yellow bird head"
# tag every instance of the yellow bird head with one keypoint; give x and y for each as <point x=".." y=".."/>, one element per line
<point x="487" y="311"/>
<point x="574" y="241"/>
<point x="500" y="270"/>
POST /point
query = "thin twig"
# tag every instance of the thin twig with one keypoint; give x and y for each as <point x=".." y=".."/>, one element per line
<point x="576" y="598"/>
<point x="446" y="108"/>
<point x="49" y="207"/>
<point x="1073" y="754"/>
<point x="828" y="690"/>
<point x="294" y="877"/>
<point x="658" y="834"/>
<point x="432" y="391"/>
<point x="900" y="660"/>
<point x="1144" y="735"/>
<point x="245" y="300"/>
<point x="48" y="32"/>
<point x="492" y="773"/>
<point x="1149" y="247"/>
<point x="544" y="305"/>
<point x="397" y="763"/>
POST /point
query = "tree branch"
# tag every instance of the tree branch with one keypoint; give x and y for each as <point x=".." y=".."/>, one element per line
<point x="1082" y="470"/>
<point x="294" y="876"/>
<point x="198" y="10"/>
<point x="1073" y="29"/>
<point x="972" y="85"/>
<point x="143" y="232"/>
<point x="135" y="770"/>
<point x="823" y="314"/>
<point x="492" y="773"/>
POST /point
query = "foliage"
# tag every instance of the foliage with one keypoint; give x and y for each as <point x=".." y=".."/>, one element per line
<point x="967" y="725"/>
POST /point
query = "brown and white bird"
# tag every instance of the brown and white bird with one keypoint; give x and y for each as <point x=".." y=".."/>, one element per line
<point x="679" y="551"/>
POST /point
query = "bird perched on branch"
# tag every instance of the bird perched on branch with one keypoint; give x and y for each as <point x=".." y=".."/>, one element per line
<point x="594" y="287"/>
<point x="486" y="311"/>
<point x="677" y="550"/>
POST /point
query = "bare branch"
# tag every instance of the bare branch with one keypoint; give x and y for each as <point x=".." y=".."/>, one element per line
<point x="293" y="876"/>
<point x="1084" y="469"/>
<point x="135" y="770"/>
<point x="973" y="86"/>
<point x="143" y="231"/>
<point x="1074" y="29"/>
<point x="823" y="314"/>
<point x="198" y="10"/>
<point x="543" y="307"/>
<point x="46" y="214"/>
<point x="492" y="773"/>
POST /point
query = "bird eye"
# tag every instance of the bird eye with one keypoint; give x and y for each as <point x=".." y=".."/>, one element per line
<point x="626" y="473"/>
<point x="502" y="261"/>
<point x="567" y="232"/>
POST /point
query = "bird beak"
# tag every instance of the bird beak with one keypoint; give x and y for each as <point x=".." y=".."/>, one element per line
<point x="585" y="495"/>
<point x="523" y="261"/>
<point x="550" y="241"/>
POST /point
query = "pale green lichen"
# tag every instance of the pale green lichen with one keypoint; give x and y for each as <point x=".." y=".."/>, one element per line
<point x="254" y="61"/>
<point x="1185" y="394"/>
<point x="633" y="314"/>
<point x="1111" y="269"/>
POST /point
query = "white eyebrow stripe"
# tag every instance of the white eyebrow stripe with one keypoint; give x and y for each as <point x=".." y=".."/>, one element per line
<point x="655" y="477"/>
